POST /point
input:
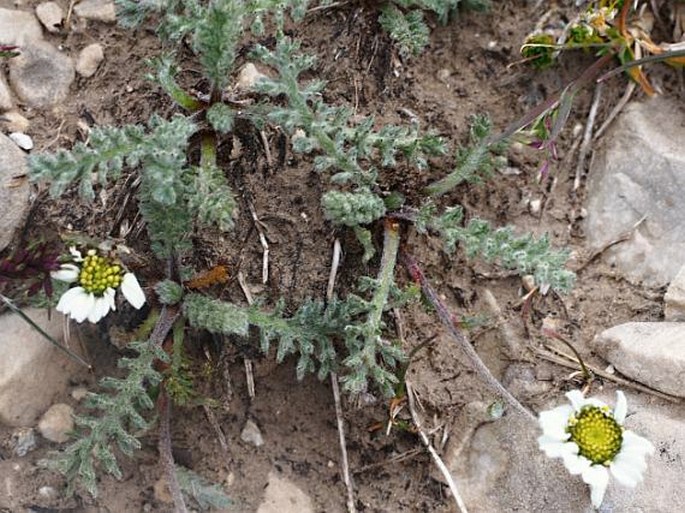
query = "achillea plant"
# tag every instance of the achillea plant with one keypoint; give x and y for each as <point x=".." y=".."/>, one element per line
<point x="178" y="193"/>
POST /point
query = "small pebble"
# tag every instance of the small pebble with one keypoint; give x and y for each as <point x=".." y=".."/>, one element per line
<point x="251" y="434"/>
<point x="535" y="206"/>
<point x="50" y="15"/>
<point x="89" y="59"/>
<point x="79" y="393"/>
<point x="22" y="140"/>
<point x="47" y="492"/>
<point x="443" y="75"/>
<point x="57" y="423"/>
<point x="248" y="76"/>
<point x="528" y="282"/>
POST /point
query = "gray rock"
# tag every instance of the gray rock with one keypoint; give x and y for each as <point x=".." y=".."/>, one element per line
<point x="32" y="372"/>
<point x="12" y="121"/>
<point x="50" y="15"/>
<point x="19" y="27"/>
<point x="251" y="434"/>
<point x="674" y="299"/>
<point x="640" y="171"/>
<point x="41" y="75"/>
<point x="14" y="195"/>
<point x="652" y="353"/>
<point x="89" y="59"/>
<point x="283" y="496"/>
<point x="97" y="10"/>
<point x="23" y="441"/>
<point x="501" y="464"/>
<point x="6" y="102"/>
<point x="56" y="423"/>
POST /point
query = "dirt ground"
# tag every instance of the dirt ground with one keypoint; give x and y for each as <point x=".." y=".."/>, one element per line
<point x="466" y="70"/>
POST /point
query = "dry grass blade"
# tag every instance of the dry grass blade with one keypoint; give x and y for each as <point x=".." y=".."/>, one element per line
<point x="335" y="262"/>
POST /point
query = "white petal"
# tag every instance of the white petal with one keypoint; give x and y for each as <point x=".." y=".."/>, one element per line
<point x="625" y="472"/>
<point x="132" y="291"/>
<point x="69" y="299"/>
<point x="577" y="399"/>
<point x="553" y="422"/>
<point x="621" y="407"/>
<point x="109" y="295"/>
<point x="67" y="272"/>
<point x="576" y="464"/>
<point x="635" y="444"/>
<point x="100" y="309"/>
<point x="76" y="254"/>
<point x="597" y="476"/>
<point x="556" y="449"/>
<point x="77" y="303"/>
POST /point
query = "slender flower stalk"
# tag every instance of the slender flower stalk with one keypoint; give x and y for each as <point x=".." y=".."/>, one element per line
<point x="591" y="440"/>
<point x="98" y="278"/>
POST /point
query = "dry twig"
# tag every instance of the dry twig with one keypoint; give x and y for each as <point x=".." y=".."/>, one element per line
<point x="262" y="240"/>
<point x="621" y="238"/>
<point x="249" y="374"/>
<point x="587" y="135"/>
<point x="569" y="362"/>
<point x="618" y="108"/>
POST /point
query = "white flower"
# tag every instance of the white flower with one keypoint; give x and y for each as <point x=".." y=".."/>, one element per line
<point x="98" y="279"/>
<point x="592" y="442"/>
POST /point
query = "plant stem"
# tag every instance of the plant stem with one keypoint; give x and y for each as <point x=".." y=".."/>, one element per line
<point x="448" y="321"/>
<point x="391" y="244"/>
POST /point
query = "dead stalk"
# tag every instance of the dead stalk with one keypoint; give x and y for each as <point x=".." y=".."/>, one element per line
<point x="249" y="374"/>
<point x="630" y="89"/>
<point x="587" y="136"/>
<point x="431" y="450"/>
<point x="262" y="241"/>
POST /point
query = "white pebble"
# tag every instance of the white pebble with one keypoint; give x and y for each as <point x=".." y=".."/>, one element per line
<point x="22" y="140"/>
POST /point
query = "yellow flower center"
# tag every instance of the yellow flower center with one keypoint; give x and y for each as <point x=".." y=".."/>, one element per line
<point x="98" y="274"/>
<point x="597" y="434"/>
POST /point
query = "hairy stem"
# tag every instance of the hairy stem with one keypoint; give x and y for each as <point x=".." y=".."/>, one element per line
<point x="166" y="456"/>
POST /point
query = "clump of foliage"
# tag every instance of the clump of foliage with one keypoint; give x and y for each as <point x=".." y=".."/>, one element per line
<point x="178" y="193"/>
